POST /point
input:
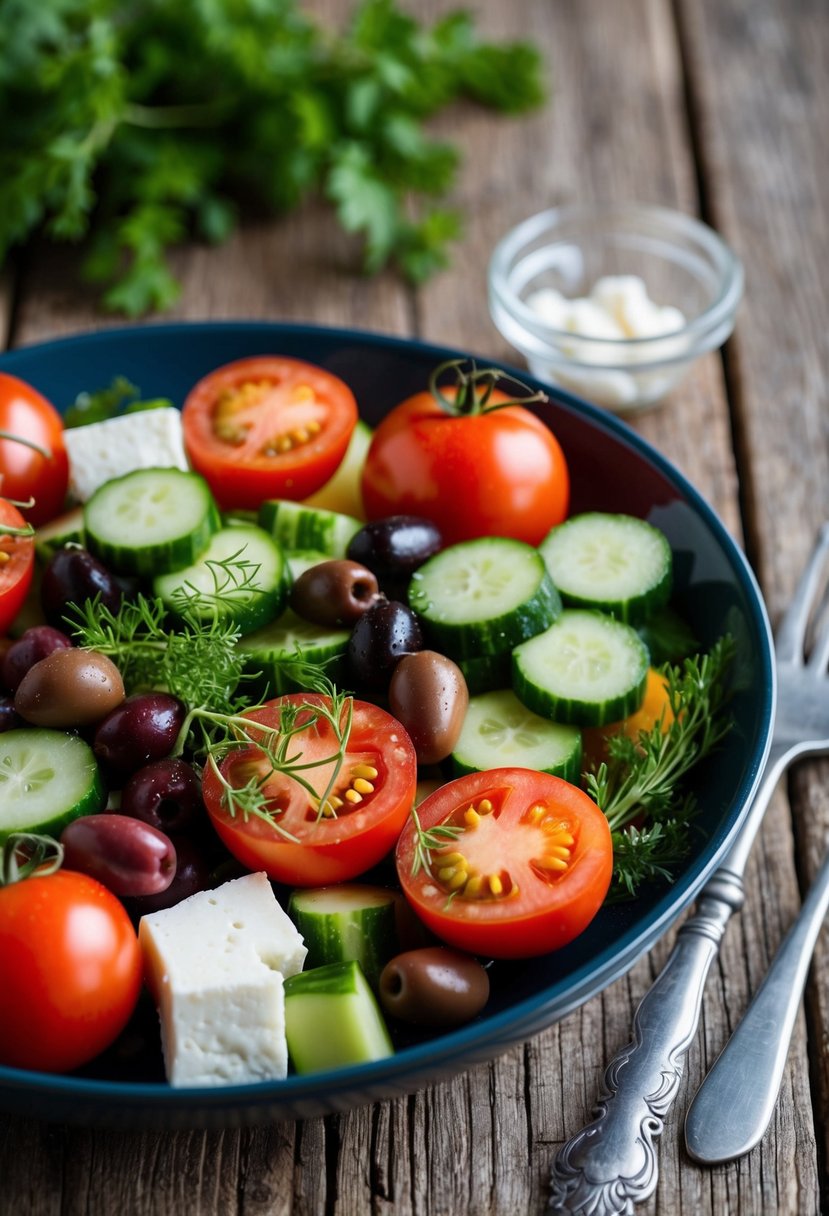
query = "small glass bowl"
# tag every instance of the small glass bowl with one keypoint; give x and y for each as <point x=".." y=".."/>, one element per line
<point x="682" y="263"/>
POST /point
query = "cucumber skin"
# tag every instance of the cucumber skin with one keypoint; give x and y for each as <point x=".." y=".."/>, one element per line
<point x="496" y="636"/>
<point x="484" y="672"/>
<point x="150" y="560"/>
<point x="91" y="803"/>
<point x="351" y="1028"/>
<point x="304" y="527"/>
<point x="373" y="929"/>
<point x="269" y="679"/>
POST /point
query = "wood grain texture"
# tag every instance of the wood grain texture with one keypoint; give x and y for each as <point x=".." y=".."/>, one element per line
<point x="650" y="100"/>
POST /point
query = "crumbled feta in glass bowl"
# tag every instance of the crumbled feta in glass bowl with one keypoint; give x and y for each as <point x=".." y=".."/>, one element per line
<point x="614" y="301"/>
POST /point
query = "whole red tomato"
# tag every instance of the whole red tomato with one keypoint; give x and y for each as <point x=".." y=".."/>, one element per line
<point x="71" y="970"/>
<point x="33" y="460"/>
<point x="473" y="465"/>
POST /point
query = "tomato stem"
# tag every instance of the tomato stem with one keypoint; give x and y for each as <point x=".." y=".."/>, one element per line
<point x="474" y="387"/>
<point x="46" y="453"/>
<point x="26" y="854"/>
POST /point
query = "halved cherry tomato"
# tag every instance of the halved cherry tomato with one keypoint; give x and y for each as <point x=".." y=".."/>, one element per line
<point x="71" y="968"/>
<point x="371" y="797"/>
<point x="17" y="560"/>
<point x="267" y="427"/>
<point x="480" y="471"/>
<point x="526" y="872"/>
<point x="40" y="472"/>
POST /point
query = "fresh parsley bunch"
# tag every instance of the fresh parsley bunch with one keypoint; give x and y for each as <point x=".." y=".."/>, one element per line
<point x="143" y="122"/>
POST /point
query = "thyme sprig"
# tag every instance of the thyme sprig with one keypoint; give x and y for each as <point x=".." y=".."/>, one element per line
<point x="640" y="787"/>
<point x="429" y="840"/>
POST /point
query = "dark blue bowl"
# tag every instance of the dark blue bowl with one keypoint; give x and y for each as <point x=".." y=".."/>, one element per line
<point x="613" y="469"/>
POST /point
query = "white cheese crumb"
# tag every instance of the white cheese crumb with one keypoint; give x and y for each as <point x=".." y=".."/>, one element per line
<point x="102" y="450"/>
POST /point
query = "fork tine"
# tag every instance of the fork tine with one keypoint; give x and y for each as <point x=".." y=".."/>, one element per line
<point x="819" y="654"/>
<point x="791" y="632"/>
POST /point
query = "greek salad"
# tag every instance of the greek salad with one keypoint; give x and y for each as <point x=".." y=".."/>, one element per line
<point x="304" y="723"/>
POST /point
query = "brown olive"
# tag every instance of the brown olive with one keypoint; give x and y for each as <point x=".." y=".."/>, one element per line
<point x="434" y="986"/>
<point x="335" y="592"/>
<point x="428" y="695"/>
<point x="69" y="688"/>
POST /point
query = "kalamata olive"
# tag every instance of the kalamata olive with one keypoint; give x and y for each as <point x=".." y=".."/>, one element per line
<point x="30" y="648"/>
<point x="126" y="855"/>
<point x="428" y="694"/>
<point x="192" y="875"/>
<point x="71" y="576"/>
<point x="9" y="719"/>
<point x="335" y="592"/>
<point x="394" y="547"/>
<point x="384" y="633"/>
<point x="166" y="794"/>
<point x="69" y="688"/>
<point x="143" y="728"/>
<point x="433" y="986"/>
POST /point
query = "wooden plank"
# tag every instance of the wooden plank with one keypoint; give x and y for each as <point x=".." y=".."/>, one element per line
<point x="765" y="150"/>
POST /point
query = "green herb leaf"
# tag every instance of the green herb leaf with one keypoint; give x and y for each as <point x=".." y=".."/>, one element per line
<point x="121" y="397"/>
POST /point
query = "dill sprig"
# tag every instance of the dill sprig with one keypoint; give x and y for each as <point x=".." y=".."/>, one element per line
<point x="273" y="751"/>
<point x="233" y="577"/>
<point x="429" y="840"/>
<point x="198" y="662"/>
<point x="639" y="788"/>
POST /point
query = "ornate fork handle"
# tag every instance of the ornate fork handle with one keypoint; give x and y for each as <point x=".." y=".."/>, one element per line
<point x="611" y="1164"/>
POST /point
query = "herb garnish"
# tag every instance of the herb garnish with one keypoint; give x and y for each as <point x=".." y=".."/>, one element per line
<point x="429" y="840"/>
<point x="639" y="789"/>
<point x="141" y="124"/>
<point x="121" y="397"/>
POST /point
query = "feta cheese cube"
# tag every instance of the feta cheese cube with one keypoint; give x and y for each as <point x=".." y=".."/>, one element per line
<point x="215" y="964"/>
<point x="100" y="451"/>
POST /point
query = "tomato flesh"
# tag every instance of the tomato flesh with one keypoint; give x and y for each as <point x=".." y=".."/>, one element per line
<point x="526" y="871"/>
<point x="379" y="767"/>
<point x="267" y="427"/>
<point x="71" y="968"/>
<point x="496" y="473"/>
<point x="17" y="559"/>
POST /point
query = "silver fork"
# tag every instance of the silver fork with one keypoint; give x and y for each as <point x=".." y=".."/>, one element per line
<point x="611" y="1164"/>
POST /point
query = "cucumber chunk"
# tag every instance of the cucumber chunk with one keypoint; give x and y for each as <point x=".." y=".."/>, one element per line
<point x="269" y="649"/>
<point x="484" y="672"/>
<point x="332" y="1019"/>
<point x="616" y="563"/>
<point x="65" y="529"/>
<point x="299" y="527"/>
<point x="151" y="521"/>
<point x="241" y="578"/>
<point x="352" y="921"/>
<point x="47" y="778"/>
<point x="500" y="732"/>
<point x="342" y="492"/>
<point x="587" y="669"/>
<point x="483" y="597"/>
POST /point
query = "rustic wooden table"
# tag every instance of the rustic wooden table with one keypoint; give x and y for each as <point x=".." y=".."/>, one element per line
<point x="721" y="108"/>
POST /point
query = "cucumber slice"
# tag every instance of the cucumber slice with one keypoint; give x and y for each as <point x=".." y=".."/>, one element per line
<point x="47" y="778"/>
<point x="300" y="560"/>
<point x="240" y="579"/>
<point x="500" y="732"/>
<point x="483" y="597"/>
<point x="616" y="563"/>
<point x="66" y="529"/>
<point x="299" y="527"/>
<point x="484" y="672"/>
<point x="332" y="1019"/>
<point x="267" y="650"/>
<point x="352" y="921"/>
<point x="151" y="521"/>
<point x="587" y="668"/>
<point x="342" y="492"/>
